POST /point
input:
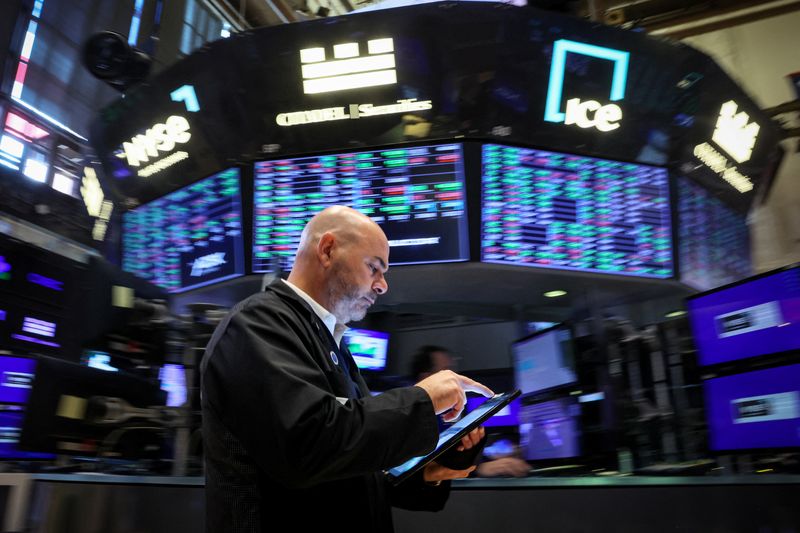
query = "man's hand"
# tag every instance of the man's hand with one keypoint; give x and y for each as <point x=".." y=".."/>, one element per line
<point x="504" y="467"/>
<point x="448" y="392"/>
<point x="434" y="472"/>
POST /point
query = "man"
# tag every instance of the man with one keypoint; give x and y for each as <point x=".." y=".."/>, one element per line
<point x="291" y="434"/>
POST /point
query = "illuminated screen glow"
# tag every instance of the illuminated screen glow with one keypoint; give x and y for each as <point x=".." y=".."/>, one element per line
<point x="190" y="237"/>
<point x="759" y="316"/>
<point x="367" y="347"/>
<point x="544" y="360"/>
<point x="172" y="378"/>
<point x="416" y="194"/>
<point x="553" y="210"/>
<point x="550" y="430"/>
<point x="759" y="409"/>
<point x="713" y="240"/>
<point x="16" y="376"/>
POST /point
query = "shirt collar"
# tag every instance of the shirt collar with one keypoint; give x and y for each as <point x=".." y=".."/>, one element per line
<point x="336" y="329"/>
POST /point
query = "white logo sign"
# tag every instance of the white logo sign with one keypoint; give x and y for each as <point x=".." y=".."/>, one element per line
<point x="604" y="117"/>
<point x="353" y="111"/>
<point x="588" y="114"/>
<point x="348" y="69"/>
<point x="207" y="263"/>
<point x="719" y="164"/>
<point x="733" y="134"/>
<point x="91" y="192"/>
<point x="161" y="137"/>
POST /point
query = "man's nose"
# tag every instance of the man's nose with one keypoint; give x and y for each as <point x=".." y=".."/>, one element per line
<point x="380" y="286"/>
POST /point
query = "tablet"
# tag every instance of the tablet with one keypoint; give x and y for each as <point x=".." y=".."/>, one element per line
<point x="452" y="435"/>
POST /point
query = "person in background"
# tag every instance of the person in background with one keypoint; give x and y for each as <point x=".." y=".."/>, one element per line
<point x="292" y="437"/>
<point x="426" y="362"/>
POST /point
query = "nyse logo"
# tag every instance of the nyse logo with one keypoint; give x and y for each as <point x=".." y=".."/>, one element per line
<point x="348" y="69"/>
<point x="161" y="137"/>
<point x="733" y="134"/>
<point x="588" y="114"/>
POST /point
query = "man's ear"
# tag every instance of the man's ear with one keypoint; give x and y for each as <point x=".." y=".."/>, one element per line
<point x="324" y="248"/>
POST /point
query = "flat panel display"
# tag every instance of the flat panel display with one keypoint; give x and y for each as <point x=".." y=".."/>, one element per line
<point x="544" y="360"/>
<point x="416" y="194"/>
<point x="190" y="237"/>
<point x="753" y="410"/>
<point x="368" y="348"/>
<point x="29" y="328"/>
<point x="713" y="239"/>
<point x="553" y="210"/>
<point x="16" y="375"/>
<point x="172" y="378"/>
<point x="11" y="417"/>
<point x="550" y="430"/>
<point x="759" y="316"/>
<point x="507" y="416"/>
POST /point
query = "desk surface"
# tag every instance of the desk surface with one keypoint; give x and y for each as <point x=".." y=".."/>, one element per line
<point x="461" y="484"/>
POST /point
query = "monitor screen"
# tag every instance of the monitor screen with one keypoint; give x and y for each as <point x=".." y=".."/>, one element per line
<point x="98" y="360"/>
<point x="713" y="239"/>
<point x="544" y="360"/>
<point x="546" y="209"/>
<point x="759" y="409"/>
<point x="416" y="194"/>
<point x="758" y="316"/>
<point x="368" y="348"/>
<point x="173" y="381"/>
<point x="507" y="416"/>
<point x="190" y="237"/>
<point x="16" y="375"/>
<point x="550" y="430"/>
<point x="28" y="328"/>
<point x="11" y="417"/>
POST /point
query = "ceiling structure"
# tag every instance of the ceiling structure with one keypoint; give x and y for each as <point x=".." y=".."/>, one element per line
<point x="674" y="18"/>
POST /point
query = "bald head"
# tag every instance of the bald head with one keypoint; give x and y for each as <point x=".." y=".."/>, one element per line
<point x="341" y="259"/>
<point x="346" y="224"/>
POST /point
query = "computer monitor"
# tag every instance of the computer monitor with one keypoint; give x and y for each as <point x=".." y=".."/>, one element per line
<point x="172" y="378"/>
<point x="550" y="430"/>
<point x="11" y="417"/>
<point x="754" y="410"/>
<point x="98" y="360"/>
<point x="189" y="238"/>
<point x="64" y="408"/>
<point x="31" y="327"/>
<point x="508" y="416"/>
<point x="544" y="360"/>
<point x="16" y="376"/>
<point x="753" y="317"/>
<point x="368" y="348"/>
<point x="38" y="276"/>
<point x="416" y="194"/>
<point x="552" y="210"/>
<point x="713" y="239"/>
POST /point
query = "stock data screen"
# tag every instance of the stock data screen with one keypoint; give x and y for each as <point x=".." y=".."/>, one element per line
<point x="188" y="238"/>
<point x="546" y="209"/>
<point x="415" y="194"/>
<point x="713" y="240"/>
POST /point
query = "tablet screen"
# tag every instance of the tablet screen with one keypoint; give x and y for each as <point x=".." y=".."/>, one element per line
<point x="454" y="433"/>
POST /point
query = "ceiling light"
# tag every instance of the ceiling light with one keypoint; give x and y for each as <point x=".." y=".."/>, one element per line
<point x="555" y="294"/>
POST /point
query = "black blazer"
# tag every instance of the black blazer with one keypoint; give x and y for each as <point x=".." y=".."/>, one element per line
<point x="279" y="446"/>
